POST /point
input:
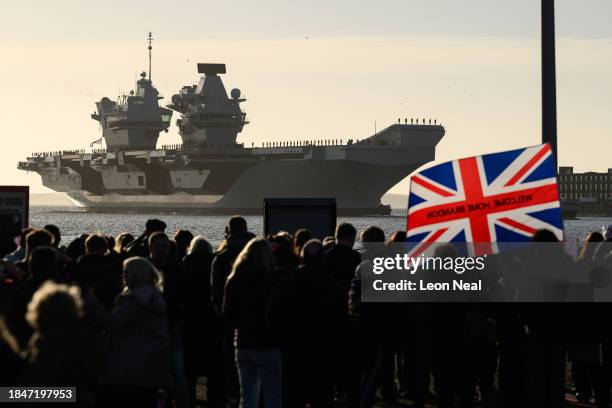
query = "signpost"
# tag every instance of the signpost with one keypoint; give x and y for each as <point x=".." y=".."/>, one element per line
<point x="14" y="209"/>
<point x="317" y="215"/>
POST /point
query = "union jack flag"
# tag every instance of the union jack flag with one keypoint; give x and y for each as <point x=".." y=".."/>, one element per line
<point x="489" y="199"/>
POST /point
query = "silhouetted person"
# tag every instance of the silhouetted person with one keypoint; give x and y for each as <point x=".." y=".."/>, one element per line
<point x="545" y="322"/>
<point x="57" y="236"/>
<point x="589" y="333"/>
<point x="300" y="237"/>
<point x="122" y="241"/>
<point x="76" y="248"/>
<point x="139" y="350"/>
<point x="183" y="239"/>
<point x="413" y="343"/>
<point x="282" y="248"/>
<point x="373" y="326"/>
<point x="61" y="352"/>
<point x="397" y="237"/>
<point x="20" y="252"/>
<point x="43" y="265"/>
<point x="174" y="289"/>
<point x="236" y="237"/>
<point x="140" y="246"/>
<point x="100" y="270"/>
<point x="306" y="311"/>
<point x="607" y="233"/>
<point x="453" y="354"/>
<point x="111" y="243"/>
<point x="342" y="260"/>
<point x="328" y="242"/>
<point x="245" y="306"/>
<point x="202" y="329"/>
<point x="340" y="263"/>
<point x="35" y="238"/>
<point x="587" y="253"/>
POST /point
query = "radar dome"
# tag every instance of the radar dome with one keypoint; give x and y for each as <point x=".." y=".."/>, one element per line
<point x="235" y="93"/>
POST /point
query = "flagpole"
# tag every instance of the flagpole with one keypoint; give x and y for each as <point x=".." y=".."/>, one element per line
<point x="549" y="90"/>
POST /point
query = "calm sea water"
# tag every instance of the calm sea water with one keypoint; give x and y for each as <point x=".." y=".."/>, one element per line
<point x="73" y="222"/>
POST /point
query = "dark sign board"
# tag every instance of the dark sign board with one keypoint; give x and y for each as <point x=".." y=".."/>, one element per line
<point x="317" y="215"/>
<point x="14" y="209"/>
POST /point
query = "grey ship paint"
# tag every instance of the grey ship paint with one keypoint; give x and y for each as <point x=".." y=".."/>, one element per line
<point x="213" y="173"/>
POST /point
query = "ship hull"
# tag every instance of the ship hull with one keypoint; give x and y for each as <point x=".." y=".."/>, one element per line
<point x="356" y="187"/>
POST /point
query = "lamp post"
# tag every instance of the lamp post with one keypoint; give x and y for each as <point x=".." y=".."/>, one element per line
<point x="549" y="90"/>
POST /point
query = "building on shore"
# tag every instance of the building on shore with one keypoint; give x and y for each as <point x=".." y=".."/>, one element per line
<point x="591" y="191"/>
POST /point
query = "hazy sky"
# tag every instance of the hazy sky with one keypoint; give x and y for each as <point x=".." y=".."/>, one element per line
<point x="313" y="69"/>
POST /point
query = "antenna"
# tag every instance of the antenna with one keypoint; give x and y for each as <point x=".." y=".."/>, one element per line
<point x="150" y="41"/>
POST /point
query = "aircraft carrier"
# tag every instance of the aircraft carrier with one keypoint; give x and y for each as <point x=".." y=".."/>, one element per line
<point x="213" y="173"/>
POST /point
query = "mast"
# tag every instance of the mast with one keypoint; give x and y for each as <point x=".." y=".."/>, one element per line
<point x="150" y="41"/>
<point x="549" y="92"/>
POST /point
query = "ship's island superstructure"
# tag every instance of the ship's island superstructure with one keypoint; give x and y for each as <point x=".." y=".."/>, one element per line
<point x="211" y="171"/>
